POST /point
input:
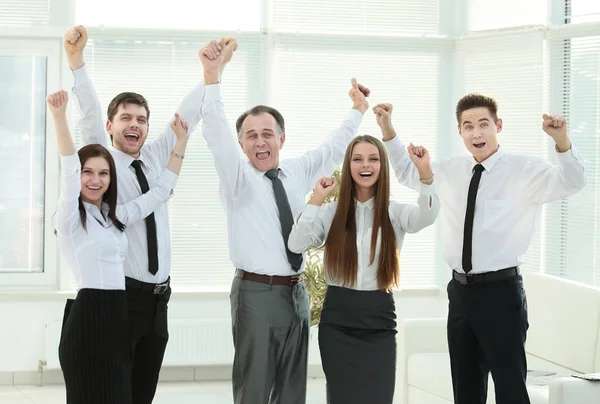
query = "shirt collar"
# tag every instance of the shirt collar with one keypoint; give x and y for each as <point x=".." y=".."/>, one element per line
<point x="283" y="169"/>
<point x="100" y="216"/>
<point x="369" y="204"/>
<point x="491" y="161"/>
<point x="125" y="158"/>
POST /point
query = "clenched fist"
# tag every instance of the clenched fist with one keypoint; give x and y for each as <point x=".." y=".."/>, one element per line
<point x="180" y="127"/>
<point x="420" y="157"/>
<point x="358" y="94"/>
<point x="74" y="43"/>
<point x="57" y="102"/>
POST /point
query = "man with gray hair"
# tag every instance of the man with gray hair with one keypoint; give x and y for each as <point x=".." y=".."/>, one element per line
<point x="269" y="303"/>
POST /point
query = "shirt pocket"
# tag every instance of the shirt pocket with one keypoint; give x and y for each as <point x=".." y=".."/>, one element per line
<point x="499" y="215"/>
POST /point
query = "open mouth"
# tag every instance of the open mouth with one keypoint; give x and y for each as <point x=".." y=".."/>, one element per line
<point x="132" y="137"/>
<point x="263" y="155"/>
<point x="366" y="174"/>
<point x="93" y="189"/>
<point x="479" y="145"/>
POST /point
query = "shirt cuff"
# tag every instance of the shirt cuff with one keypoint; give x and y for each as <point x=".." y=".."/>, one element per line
<point x="355" y="117"/>
<point x="70" y="164"/>
<point x="394" y="144"/>
<point x="568" y="156"/>
<point x="428" y="189"/>
<point x="212" y="92"/>
<point x="309" y="213"/>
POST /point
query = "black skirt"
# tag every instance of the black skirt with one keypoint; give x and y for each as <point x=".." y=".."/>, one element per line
<point x="94" y="349"/>
<point x="357" y="340"/>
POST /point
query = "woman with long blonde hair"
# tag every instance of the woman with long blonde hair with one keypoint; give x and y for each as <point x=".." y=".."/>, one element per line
<point x="362" y="234"/>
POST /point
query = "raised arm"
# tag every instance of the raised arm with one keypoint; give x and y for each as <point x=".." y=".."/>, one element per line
<point x="406" y="171"/>
<point x="547" y="182"/>
<point x="190" y="108"/>
<point x="312" y="227"/>
<point x="67" y="215"/>
<point x="325" y="159"/>
<point x="413" y="218"/>
<point x="215" y="129"/>
<point x="91" y="122"/>
<point x="144" y="205"/>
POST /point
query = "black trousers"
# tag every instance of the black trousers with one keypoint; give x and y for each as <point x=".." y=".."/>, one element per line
<point x="148" y="337"/>
<point x="487" y="327"/>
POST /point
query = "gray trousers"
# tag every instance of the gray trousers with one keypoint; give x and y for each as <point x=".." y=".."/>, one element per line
<point x="270" y="335"/>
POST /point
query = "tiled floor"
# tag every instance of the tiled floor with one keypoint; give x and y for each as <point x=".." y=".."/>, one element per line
<point x="168" y="393"/>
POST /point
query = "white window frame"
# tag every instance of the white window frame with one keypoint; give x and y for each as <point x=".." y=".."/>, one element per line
<point x="51" y="48"/>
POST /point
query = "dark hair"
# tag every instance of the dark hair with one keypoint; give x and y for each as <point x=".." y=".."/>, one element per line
<point x="475" y="100"/>
<point x="110" y="196"/>
<point x="124" y="99"/>
<point x="340" y="251"/>
<point x="258" y="110"/>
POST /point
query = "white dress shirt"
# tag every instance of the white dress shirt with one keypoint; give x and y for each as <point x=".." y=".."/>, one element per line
<point x="509" y="200"/>
<point x="154" y="155"/>
<point x="96" y="253"/>
<point x="312" y="228"/>
<point x="254" y="230"/>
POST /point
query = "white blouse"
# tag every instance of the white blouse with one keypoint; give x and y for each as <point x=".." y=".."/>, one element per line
<point x="96" y="254"/>
<point x="312" y="227"/>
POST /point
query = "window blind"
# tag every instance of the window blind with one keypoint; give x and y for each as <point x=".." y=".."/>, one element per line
<point x="573" y="237"/>
<point x="24" y="13"/>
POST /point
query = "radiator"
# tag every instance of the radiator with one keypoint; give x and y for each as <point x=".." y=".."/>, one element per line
<point x="192" y="342"/>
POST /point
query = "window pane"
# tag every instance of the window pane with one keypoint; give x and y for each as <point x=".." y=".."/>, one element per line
<point x="356" y="16"/>
<point x="491" y="14"/>
<point x="173" y="14"/>
<point x="583" y="11"/>
<point x="22" y="135"/>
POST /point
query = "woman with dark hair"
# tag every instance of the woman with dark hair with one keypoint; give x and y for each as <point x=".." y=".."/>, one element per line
<point x="94" y="350"/>
<point x="362" y="233"/>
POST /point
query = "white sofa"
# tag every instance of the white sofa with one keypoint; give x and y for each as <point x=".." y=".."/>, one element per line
<point x="563" y="338"/>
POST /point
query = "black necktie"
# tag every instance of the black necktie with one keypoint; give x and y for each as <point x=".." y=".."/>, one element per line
<point x="150" y="222"/>
<point x="285" y="216"/>
<point x="468" y="234"/>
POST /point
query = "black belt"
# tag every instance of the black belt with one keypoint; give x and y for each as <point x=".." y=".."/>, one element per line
<point x="470" y="279"/>
<point x="154" y="288"/>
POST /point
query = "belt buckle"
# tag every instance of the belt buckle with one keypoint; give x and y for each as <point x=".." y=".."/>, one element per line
<point x="294" y="280"/>
<point x="160" y="289"/>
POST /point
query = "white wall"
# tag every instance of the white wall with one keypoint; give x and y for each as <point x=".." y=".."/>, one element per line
<point x="23" y="317"/>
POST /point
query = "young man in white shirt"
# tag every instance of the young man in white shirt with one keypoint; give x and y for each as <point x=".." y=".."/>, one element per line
<point x="269" y="302"/>
<point x="148" y="262"/>
<point x="491" y="203"/>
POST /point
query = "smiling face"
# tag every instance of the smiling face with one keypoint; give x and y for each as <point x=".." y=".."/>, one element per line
<point x="95" y="180"/>
<point x="261" y="139"/>
<point x="479" y="132"/>
<point x="365" y="165"/>
<point x="129" y="128"/>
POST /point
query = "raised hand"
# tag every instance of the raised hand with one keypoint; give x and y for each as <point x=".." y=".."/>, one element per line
<point x="383" y="114"/>
<point x="229" y="45"/>
<point x="57" y="102"/>
<point x="556" y="127"/>
<point x="74" y="43"/>
<point x="211" y="56"/>
<point x="325" y="186"/>
<point x="420" y="157"/>
<point x="180" y="127"/>
<point x="358" y="94"/>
